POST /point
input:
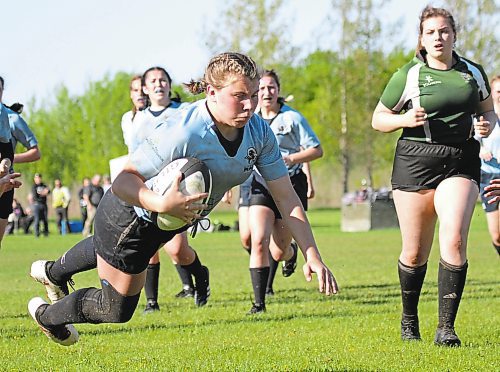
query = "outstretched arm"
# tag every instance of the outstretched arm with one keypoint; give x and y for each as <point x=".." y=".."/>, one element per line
<point x="295" y="218"/>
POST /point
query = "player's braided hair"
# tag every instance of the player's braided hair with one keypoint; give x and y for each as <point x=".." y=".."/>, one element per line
<point x="16" y="107"/>
<point x="431" y="12"/>
<point x="222" y="70"/>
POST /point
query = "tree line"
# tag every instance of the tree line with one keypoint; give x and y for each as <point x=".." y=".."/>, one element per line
<point x="335" y="88"/>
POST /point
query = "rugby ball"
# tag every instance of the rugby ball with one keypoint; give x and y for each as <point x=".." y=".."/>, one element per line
<point x="196" y="179"/>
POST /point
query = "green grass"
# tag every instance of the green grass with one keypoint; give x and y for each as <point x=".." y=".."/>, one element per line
<point x="302" y="330"/>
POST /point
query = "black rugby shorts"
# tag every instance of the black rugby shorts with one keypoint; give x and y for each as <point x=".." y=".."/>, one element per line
<point x="6" y="151"/>
<point x="422" y="166"/>
<point x="124" y="240"/>
<point x="260" y="195"/>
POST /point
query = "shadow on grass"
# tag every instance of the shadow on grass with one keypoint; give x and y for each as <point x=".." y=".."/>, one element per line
<point x="269" y="317"/>
<point x="369" y="295"/>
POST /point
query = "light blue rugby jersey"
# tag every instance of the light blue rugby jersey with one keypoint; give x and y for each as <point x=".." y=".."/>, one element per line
<point x="492" y="144"/>
<point x="20" y="130"/>
<point x="145" y="122"/>
<point x="293" y="133"/>
<point x="191" y="133"/>
<point x="5" y="133"/>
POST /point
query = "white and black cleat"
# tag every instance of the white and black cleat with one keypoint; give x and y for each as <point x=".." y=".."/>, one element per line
<point x="65" y="335"/>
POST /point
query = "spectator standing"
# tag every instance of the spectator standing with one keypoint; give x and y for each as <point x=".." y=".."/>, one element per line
<point x="92" y="197"/>
<point x="106" y="182"/>
<point x="83" y="204"/>
<point x="40" y="192"/>
<point x="60" y="202"/>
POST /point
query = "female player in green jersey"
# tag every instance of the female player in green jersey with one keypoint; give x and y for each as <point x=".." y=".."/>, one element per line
<point x="436" y="165"/>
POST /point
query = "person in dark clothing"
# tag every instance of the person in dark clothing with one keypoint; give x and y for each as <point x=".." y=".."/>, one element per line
<point x="92" y="196"/>
<point x="40" y="192"/>
<point x="83" y="203"/>
<point x="20" y="219"/>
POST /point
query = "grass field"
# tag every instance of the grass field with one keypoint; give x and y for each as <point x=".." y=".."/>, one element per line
<point x="356" y="330"/>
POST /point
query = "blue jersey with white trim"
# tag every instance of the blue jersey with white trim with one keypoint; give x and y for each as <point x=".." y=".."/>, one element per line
<point x="492" y="144"/>
<point x="20" y="130"/>
<point x="145" y="121"/>
<point x="293" y="134"/>
<point x="5" y="133"/>
<point x="191" y="133"/>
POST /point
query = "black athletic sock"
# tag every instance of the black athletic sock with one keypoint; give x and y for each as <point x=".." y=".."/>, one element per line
<point x="273" y="266"/>
<point x="411" y="280"/>
<point x="89" y="305"/>
<point x="259" y="278"/>
<point x="195" y="268"/>
<point x="451" y="282"/>
<point x="151" y="285"/>
<point x="81" y="257"/>
<point x="186" y="278"/>
<point x="497" y="247"/>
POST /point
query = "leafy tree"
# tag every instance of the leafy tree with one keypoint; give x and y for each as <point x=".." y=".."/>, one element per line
<point x="361" y="57"/>
<point x="255" y="28"/>
<point x="477" y="37"/>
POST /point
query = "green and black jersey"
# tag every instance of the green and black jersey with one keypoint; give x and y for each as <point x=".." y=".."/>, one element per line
<point x="449" y="97"/>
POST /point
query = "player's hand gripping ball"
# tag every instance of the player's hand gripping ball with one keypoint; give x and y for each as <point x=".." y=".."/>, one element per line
<point x="196" y="179"/>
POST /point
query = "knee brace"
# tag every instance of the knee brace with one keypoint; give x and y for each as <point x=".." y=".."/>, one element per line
<point x="106" y="305"/>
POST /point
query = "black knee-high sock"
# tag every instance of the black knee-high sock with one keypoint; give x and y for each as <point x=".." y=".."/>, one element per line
<point x="186" y="278"/>
<point x="81" y="257"/>
<point x="151" y="285"/>
<point x="195" y="268"/>
<point x="411" y="280"/>
<point x="90" y="305"/>
<point x="273" y="266"/>
<point x="451" y="282"/>
<point x="259" y="278"/>
<point x="497" y="247"/>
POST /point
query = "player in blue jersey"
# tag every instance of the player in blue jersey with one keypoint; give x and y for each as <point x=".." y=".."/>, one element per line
<point x="436" y="166"/>
<point x="156" y="85"/>
<point x="297" y="144"/>
<point x="139" y="102"/>
<point x="7" y="180"/>
<point x="221" y="131"/>
<point x="490" y="168"/>
<point x="19" y="132"/>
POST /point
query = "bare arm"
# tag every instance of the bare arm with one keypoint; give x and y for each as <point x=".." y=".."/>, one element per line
<point x="306" y="167"/>
<point x="385" y="120"/>
<point x="295" y="218"/>
<point x="486" y="118"/>
<point x="303" y="156"/>
<point x="30" y="155"/>
<point x="9" y="182"/>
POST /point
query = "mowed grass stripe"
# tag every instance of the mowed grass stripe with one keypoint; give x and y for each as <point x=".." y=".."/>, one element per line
<point x="302" y="330"/>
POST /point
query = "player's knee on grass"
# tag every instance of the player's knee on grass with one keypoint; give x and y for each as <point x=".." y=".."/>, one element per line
<point x="107" y="305"/>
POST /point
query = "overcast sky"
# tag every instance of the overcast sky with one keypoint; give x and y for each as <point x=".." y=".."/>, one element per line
<point x="72" y="42"/>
